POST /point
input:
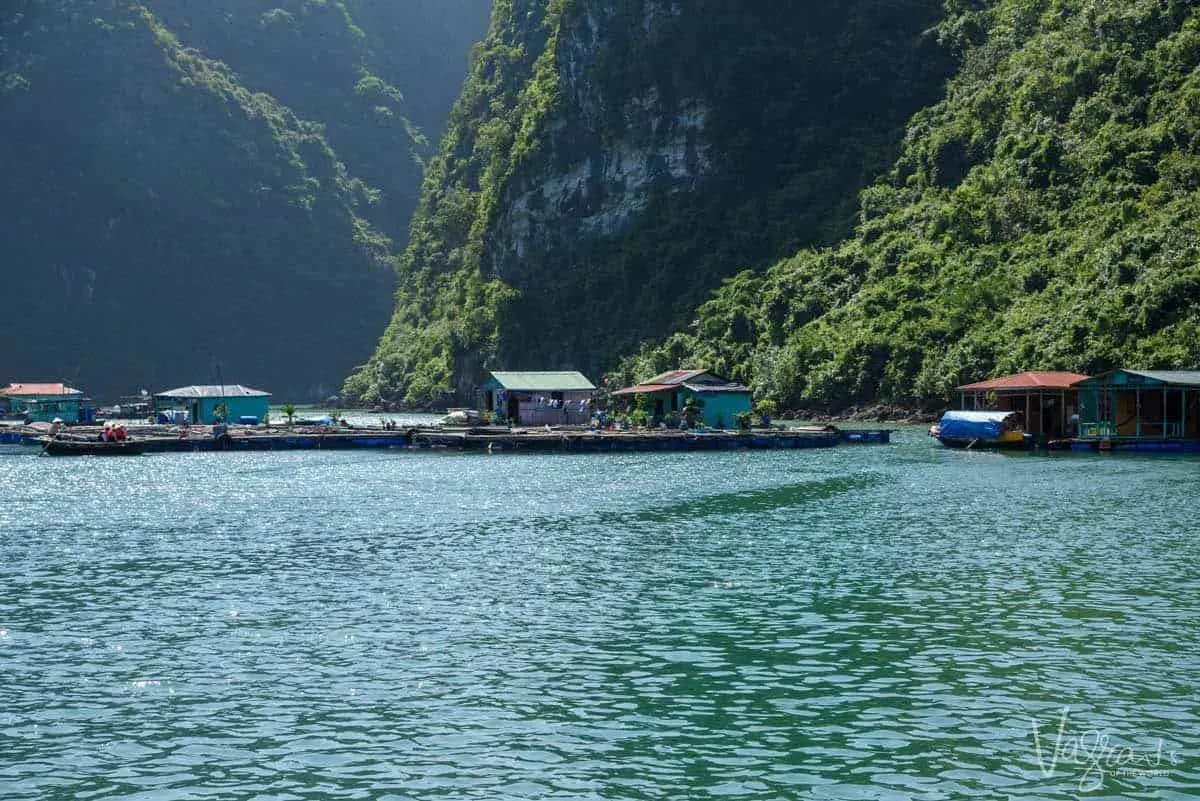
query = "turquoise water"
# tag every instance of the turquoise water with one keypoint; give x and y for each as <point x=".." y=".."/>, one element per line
<point x="862" y="622"/>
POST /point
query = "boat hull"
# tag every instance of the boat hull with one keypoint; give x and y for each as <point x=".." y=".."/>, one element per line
<point x="978" y="444"/>
<point x="59" y="447"/>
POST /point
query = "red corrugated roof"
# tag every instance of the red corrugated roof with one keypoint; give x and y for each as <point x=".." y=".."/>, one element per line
<point x="21" y="390"/>
<point x="1029" y="380"/>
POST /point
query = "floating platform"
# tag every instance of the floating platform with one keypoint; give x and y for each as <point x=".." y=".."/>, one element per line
<point x="334" y="440"/>
<point x="584" y="441"/>
<point x="1101" y="445"/>
<point x="159" y="439"/>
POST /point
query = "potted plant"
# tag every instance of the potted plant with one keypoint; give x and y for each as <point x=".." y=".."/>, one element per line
<point x="766" y="409"/>
<point x="692" y="410"/>
<point x="638" y="416"/>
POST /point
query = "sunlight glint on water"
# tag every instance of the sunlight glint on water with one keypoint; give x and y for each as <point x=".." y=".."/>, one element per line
<point x="863" y="622"/>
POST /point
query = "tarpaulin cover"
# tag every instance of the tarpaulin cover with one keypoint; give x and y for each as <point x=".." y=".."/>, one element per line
<point x="973" y="425"/>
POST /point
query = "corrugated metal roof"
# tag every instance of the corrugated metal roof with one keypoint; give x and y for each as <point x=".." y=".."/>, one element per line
<point x="25" y="390"/>
<point x="1175" y="378"/>
<point x="675" y="377"/>
<point x="717" y="387"/>
<point x="1028" y="380"/>
<point x="553" y="381"/>
<point x="1188" y="378"/>
<point x="213" y="391"/>
<point x="641" y="389"/>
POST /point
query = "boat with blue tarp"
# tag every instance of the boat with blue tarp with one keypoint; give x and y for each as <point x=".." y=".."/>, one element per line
<point x="981" y="429"/>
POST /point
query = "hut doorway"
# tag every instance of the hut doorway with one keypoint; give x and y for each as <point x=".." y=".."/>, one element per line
<point x="514" y="409"/>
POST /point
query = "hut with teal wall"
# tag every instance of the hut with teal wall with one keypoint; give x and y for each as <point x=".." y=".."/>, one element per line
<point x="205" y="403"/>
<point x="42" y="403"/>
<point x="666" y="396"/>
<point x="1140" y="405"/>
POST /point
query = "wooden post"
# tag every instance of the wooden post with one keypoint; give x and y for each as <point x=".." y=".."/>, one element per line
<point x="1111" y="395"/>
<point x="1164" y="417"/>
<point x="1028" y="412"/>
<point x="1137" y="424"/>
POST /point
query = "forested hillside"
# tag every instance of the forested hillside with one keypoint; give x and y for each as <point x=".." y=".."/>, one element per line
<point x="197" y="190"/>
<point x="1043" y="215"/>
<point x="609" y="163"/>
<point x="1030" y="171"/>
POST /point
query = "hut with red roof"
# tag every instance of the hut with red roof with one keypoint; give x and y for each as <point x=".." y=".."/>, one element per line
<point x="1047" y="400"/>
<point x="720" y="401"/>
<point x="42" y="402"/>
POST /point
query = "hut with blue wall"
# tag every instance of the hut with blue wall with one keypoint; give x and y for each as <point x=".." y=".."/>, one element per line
<point x="666" y="395"/>
<point x="205" y="403"/>
<point x="42" y="403"/>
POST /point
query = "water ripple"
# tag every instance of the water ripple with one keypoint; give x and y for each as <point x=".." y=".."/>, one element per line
<point x="853" y="623"/>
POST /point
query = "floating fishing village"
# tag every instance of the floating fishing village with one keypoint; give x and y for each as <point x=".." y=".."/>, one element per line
<point x="517" y="411"/>
<point x="562" y="411"/>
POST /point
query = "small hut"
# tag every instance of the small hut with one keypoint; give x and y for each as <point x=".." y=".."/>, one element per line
<point x="1140" y="405"/>
<point x="1047" y="401"/>
<point x="209" y="404"/>
<point x="41" y="403"/>
<point x="562" y="397"/>
<point x="721" y="401"/>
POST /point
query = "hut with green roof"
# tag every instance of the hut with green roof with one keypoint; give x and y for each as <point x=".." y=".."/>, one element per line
<point x="563" y="397"/>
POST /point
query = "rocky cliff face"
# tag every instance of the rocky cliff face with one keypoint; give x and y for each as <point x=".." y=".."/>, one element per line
<point x="610" y="163"/>
<point x="607" y="152"/>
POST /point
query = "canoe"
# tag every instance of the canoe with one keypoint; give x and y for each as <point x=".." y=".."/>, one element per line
<point x="66" y="447"/>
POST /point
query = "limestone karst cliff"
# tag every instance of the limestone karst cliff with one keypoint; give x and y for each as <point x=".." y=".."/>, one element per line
<point x="609" y="163"/>
<point x="837" y="203"/>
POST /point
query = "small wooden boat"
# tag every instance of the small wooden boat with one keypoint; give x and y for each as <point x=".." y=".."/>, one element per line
<point x="74" y="447"/>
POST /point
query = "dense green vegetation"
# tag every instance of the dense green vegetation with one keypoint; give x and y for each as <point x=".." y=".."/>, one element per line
<point x="803" y="104"/>
<point x="197" y="191"/>
<point x="837" y="203"/>
<point x="1043" y="215"/>
<point x="1039" y="212"/>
